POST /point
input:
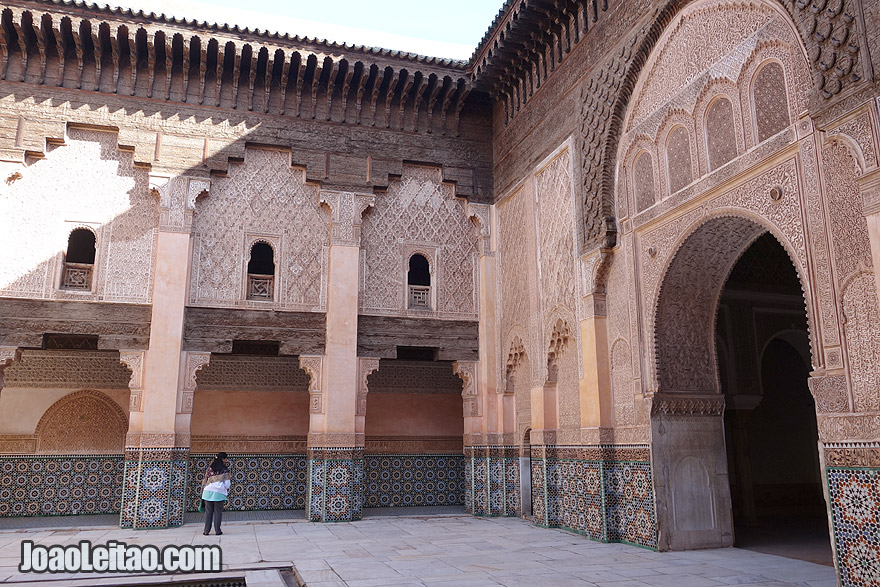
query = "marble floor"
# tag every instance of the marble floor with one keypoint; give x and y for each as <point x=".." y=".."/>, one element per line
<point x="426" y="550"/>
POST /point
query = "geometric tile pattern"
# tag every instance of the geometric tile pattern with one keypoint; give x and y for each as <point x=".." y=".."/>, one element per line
<point x="259" y="481"/>
<point x="154" y="487"/>
<point x="854" y="494"/>
<point x="629" y="503"/>
<point x="336" y="484"/>
<point x="492" y="481"/>
<point x="60" y="485"/>
<point x="605" y="493"/>
<point x="414" y="480"/>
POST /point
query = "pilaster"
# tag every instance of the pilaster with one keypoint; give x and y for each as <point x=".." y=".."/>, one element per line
<point x="337" y="406"/>
<point x="597" y="409"/>
<point x="163" y="377"/>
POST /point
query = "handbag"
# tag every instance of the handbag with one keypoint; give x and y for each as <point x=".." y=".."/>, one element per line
<point x="202" y="506"/>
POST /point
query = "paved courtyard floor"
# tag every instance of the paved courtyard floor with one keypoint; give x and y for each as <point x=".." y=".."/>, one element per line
<point x="442" y="550"/>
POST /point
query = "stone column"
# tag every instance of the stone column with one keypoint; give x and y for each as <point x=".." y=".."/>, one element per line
<point x="597" y="407"/>
<point x="335" y="446"/>
<point x="158" y="440"/>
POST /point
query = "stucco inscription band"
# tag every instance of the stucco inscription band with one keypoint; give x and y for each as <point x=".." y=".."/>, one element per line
<point x="616" y="274"/>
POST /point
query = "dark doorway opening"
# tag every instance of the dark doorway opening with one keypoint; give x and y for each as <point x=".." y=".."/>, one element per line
<point x="770" y="417"/>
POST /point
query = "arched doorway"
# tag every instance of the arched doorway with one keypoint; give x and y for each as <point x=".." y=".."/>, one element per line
<point x="693" y="479"/>
<point x="770" y="416"/>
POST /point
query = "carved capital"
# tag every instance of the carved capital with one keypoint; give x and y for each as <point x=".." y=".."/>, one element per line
<point x="683" y="404"/>
<point x="365" y="367"/>
<point x="134" y="360"/>
<point x="594" y="271"/>
<point x="8" y="355"/>
<point x="479" y="214"/>
<point x="313" y="365"/>
<point x="467" y="371"/>
<point x="347" y="210"/>
<point x="177" y="199"/>
<point x="193" y="363"/>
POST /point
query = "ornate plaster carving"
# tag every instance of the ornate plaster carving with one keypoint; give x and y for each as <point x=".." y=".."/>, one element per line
<point x="263" y="195"/>
<point x="194" y="362"/>
<point x="82" y="422"/>
<point x="830" y="392"/>
<point x="468" y="372"/>
<point x="688" y="405"/>
<point x="420" y="209"/>
<point x="347" y="210"/>
<point x="134" y="360"/>
<point x="87" y="181"/>
<point x="313" y="365"/>
<point x="365" y="367"/>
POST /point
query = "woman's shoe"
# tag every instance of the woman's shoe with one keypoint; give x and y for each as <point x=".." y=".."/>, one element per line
<point x="205" y="533"/>
<point x="219" y="533"/>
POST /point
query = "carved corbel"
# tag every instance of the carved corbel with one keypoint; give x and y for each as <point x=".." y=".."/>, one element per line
<point x="134" y="360"/>
<point x="468" y="371"/>
<point x="479" y="214"/>
<point x="595" y="268"/>
<point x="8" y="355"/>
<point x="365" y="367"/>
<point x="347" y="210"/>
<point x="514" y="358"/>
<point x="194" y="363"/>
<point x="313" y="365"/>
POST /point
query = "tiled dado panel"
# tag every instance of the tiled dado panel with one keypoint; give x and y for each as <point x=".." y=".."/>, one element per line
<point x="604" y="492"/>
<point x="414" y="480"/>
<point x="259" y="481"/>
<point x="60" y="485"/>
<point x="492" y="481"/>
<point x="336" y="484"/>
<point x="154" y="491"/>
<point x="853" y="476"/>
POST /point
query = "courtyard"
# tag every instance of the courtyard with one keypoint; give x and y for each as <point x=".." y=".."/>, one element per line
<point x="442" y="550"/>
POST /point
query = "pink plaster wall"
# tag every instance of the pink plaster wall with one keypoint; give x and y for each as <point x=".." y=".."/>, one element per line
<point x="257" y="413"/>
<point x="414" y="414"/>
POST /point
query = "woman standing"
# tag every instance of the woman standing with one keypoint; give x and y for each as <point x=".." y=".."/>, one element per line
<point x="215" y="488"/>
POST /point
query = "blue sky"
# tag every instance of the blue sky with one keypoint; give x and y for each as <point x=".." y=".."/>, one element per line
<point x="443" y="29"/>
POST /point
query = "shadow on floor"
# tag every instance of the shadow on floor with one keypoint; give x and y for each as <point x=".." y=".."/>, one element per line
<point x="797" y="538"/>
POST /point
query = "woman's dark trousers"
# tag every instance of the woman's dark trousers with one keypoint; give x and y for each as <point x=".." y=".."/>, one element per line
<point x="213" y="511"/>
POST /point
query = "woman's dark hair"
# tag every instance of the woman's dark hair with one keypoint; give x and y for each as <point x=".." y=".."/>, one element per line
<point x="218" y="466"/>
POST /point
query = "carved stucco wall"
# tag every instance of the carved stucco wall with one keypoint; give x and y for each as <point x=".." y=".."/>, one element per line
<point x="719" y="94"/>
<point x="851" y="251"/>
<point x="830" y="32"/>
<point x="82" y="422"/>
<point x="518" y="285"/>
<point x="261" y="199"/>
<point x="419" y="214"/>
<point x="87" y="182"/>
<point x="557" y="245"/>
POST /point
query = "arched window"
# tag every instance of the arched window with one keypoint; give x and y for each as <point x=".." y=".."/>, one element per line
<point x="720" y="134"/>
<point x="261" y="272"/>
<point x="418" y="278"/>
<point x="678" y="159"/>
<point x="643" y="181"/>
<point x="771" y="102"/>
<point x="79" y="260"/>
